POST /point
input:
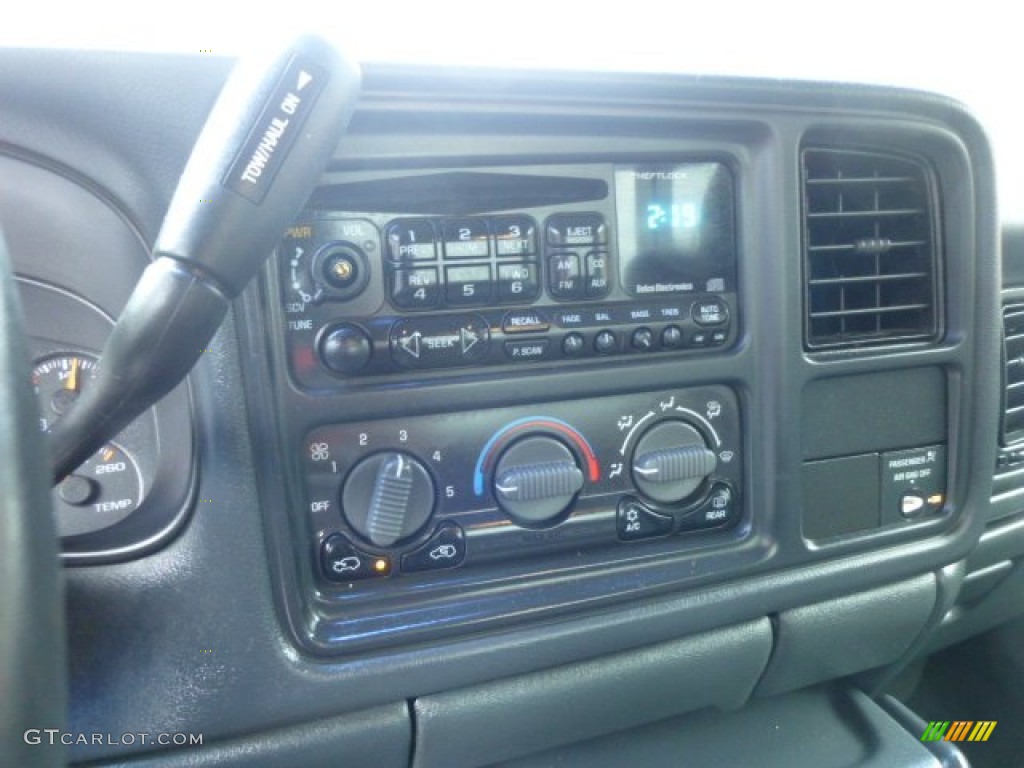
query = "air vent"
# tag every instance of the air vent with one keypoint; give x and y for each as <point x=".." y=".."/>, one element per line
<point x="870" y="255"/>
<point x="1013" y="352"/>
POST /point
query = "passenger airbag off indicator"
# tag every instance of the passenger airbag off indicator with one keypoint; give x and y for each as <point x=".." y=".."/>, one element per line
<point x="913" y="483"/>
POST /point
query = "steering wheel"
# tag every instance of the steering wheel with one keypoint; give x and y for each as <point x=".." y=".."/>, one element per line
<point x="33" y="674"/>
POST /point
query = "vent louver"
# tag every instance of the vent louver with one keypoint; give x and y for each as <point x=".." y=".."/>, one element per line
<point x="1013" y="351"/>
<point x="869" y="249"/>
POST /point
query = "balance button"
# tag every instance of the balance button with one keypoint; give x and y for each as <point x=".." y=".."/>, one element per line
<point x="708" y="312"/>
<point x="518" y="282"/>
<point x="415" y="288"/>
<point x="466" y="239"/>
<point x="577" y="229"/>
<point x="720" y="510"/>
<point x="565" y="276"/>
<point x="605" y="343"/>
<point x="340" y="561"/>
<point x="527" y="349"/>
<point x="643" y="339"/>
<point x="672" y="337"/>
<point x="446" y="548"/>
<point x="467" y="285"/>
<point x="514" y="235"/>
<point x="524" y="321"/>
<point x="573" y="344"/>
<point x="411" y="240"/>
<point x="635" y="521"/>
<point x="597" y="274"/>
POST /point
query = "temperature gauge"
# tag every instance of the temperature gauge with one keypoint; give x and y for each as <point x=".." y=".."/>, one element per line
<point x="108" y="486"/>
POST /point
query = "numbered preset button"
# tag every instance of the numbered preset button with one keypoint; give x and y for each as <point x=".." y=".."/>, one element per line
<point x="411" y="240"/>
<point x="415" y="288"/>
<point x="518" y="282"/>
<point x="514" y="235"/>
<point x="468" y="285"/>
<point x="466" y="239"/>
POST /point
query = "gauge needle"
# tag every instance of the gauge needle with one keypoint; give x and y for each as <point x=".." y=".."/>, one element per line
<point x="72" y="383"/>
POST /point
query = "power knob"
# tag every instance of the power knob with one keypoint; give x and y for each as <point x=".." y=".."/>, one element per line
<point x="536" y="480"/>
<point x="670" y="462"/>
<point x="388" y="497"/>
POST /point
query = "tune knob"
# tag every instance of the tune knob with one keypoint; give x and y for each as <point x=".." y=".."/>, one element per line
<point x="536" y="480"/>
<point x="671" y="461"/>
<point x="388" y="497"/>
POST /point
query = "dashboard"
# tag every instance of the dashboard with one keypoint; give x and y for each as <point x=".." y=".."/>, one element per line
<point x="685" y="392"/>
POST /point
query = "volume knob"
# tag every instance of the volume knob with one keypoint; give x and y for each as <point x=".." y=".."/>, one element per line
<point x="388" y="497"/>
<point x="536" y="480"/>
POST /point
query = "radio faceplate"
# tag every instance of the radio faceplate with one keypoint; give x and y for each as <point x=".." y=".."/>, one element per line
<point x="549" y="264"/>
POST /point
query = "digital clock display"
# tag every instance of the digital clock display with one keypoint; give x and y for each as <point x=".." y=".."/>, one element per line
<point x="676" y="228"/>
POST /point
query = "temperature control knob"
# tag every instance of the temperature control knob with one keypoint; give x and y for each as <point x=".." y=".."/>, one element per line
<point x="536" y="480"/>
<point x="671" y="461"/>
<point x="388" y="497"/>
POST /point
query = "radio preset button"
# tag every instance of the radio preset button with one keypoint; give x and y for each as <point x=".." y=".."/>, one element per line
<point x="415" y="288"/>
<point x="709" y="312"/>
<point x="411" y="240"/>
<point x="435" y="342"/>
<point x="597" y="274"/>
<point x="573" y="344"/>
<point x="643" y="339"/>
<point x="518" y="282"/>
<point x="565" y="276"/>
<point x="524" y="321"/>
<point x="606" y="342"/>
<point x="514" y="235"/>
<point x="466" y="239"/>
<point x="577" y="229"/>
<point x="672" y="337"/>
<point x="527" y="349"/>
<point x="468" y="285"/>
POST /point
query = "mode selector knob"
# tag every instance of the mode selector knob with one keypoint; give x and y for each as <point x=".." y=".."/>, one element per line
<point x="536" y="480"/>
<point x="388" y="497"/>
<point x="671" y="461"/>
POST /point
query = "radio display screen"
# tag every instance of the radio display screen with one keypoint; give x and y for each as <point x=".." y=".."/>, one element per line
<point x="676" y="228"/>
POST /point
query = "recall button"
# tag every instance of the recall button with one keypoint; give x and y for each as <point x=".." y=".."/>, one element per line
<point x="525" y="321"/>
<point x="527" y="349"/>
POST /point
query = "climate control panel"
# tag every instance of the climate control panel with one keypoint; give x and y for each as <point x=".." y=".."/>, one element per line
<point x="394" y="498"/>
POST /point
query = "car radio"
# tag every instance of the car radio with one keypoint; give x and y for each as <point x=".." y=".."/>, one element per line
<point x="387" y="274"/>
